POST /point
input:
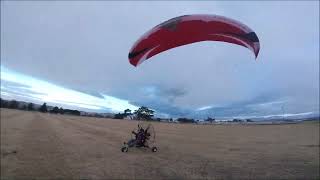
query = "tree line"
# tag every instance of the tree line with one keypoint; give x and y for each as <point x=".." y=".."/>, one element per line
<point x="13" y="104"/>
<point x="143" y="113"/>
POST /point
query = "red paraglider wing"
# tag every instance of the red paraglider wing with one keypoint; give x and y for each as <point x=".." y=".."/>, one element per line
<point x="189" y="29"/>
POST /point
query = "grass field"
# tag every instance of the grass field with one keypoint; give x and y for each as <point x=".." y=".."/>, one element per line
<point x="36" y="145"/>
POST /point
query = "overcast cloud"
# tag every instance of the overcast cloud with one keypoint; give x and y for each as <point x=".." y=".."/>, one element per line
<point x="84" y="46"/>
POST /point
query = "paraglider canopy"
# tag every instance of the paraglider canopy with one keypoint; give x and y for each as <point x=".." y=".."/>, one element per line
<point x="189" y="29"/>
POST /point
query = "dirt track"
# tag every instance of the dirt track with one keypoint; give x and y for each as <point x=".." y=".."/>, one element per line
<point x="36" y="145"/>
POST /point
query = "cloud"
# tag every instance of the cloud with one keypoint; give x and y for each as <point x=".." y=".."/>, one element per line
<point x="30" y="88"/>
<point x="168" y="94"/>
<point x="204" y="108"/>
<point x="9" y="84"/>
<point x="83" y="46"/>
<point x="258" y="106"/>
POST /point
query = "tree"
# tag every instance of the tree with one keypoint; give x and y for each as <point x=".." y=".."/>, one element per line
<point x="118" y="116"/>
<point x="61" y="111"/>
<point x="76" y="112"/>
<point x="24" y="107"/>
<point x="236" y="120"/>
<point x="30" y="107"/>
<point x="210" y="120"/>
<point x="186" y="120"/>
<point x="43" y="108"/>
<point x="13" y="104"/>
<point x="55" y="110"/>
<point x="4" y="103"/>
<point x="72" y="112"/>
<point x="127" y="112"/>
<point x="144" y="113"/>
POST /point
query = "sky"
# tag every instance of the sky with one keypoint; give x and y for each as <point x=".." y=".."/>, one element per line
<point x="75" y="54"/>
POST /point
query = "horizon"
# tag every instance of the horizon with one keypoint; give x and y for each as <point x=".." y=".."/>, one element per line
<point x="276" y="117"/>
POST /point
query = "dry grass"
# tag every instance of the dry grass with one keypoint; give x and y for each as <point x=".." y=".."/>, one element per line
<point x="36" y="145"/>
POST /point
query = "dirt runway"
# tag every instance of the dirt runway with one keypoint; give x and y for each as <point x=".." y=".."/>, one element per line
<point x="46" y="146"/>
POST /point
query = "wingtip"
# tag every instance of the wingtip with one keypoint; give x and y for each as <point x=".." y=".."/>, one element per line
<point x="256" y="49"/>
<point x="133" y="64"/>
